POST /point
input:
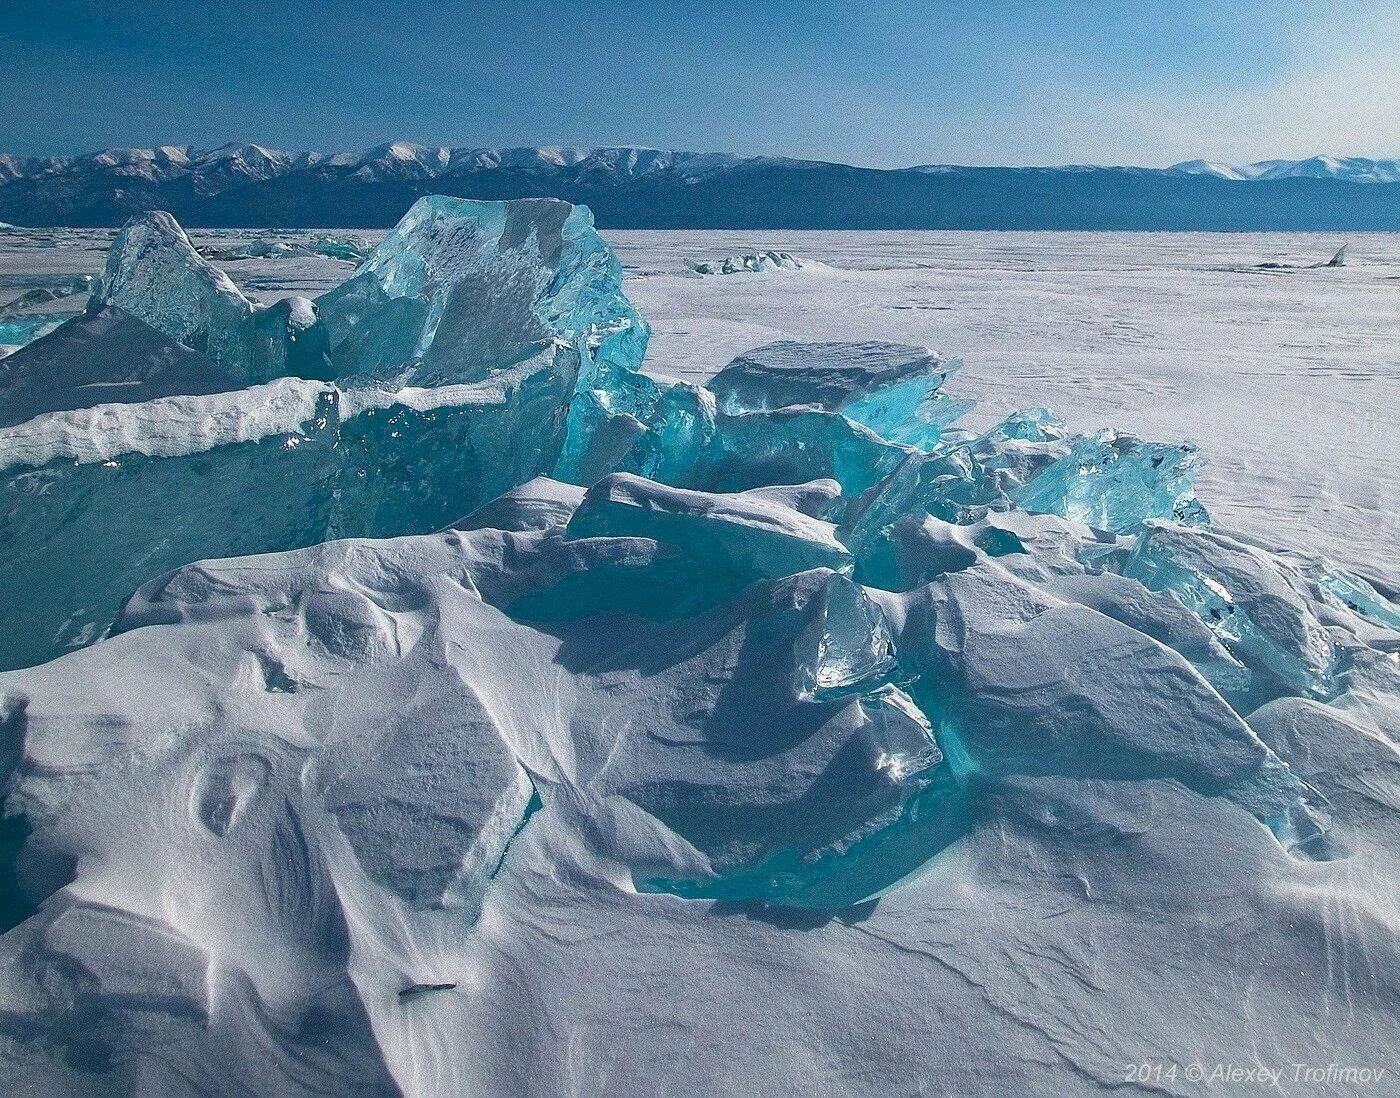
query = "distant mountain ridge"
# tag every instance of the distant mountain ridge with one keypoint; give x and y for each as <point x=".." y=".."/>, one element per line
<point x="1355" y="168"/>
<point x="254" y="186"/>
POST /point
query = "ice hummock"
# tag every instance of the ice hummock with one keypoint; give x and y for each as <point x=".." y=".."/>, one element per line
<point x="752" y="262"/>
<point x="1112" y="481"/>
<point x="891" y="388"/>
<point x="487" y="286"/>
<point x="800" y="711"/>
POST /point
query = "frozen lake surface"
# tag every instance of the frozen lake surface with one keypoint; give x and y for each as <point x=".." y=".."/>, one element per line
<point x="1287" y="377"/>
<point x="778" y="759"/>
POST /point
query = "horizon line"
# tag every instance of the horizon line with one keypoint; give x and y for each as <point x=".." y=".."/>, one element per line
<point x="196" y="152"/>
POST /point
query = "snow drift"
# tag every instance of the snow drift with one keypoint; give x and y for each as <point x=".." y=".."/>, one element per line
<point x="605" y="734"/>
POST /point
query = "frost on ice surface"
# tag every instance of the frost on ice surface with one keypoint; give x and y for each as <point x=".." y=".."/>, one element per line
<point x="84" y="489"/>
<point x="464" y="711"/>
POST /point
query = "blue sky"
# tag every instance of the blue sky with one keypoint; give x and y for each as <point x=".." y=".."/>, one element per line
<point x="893" y="83"/>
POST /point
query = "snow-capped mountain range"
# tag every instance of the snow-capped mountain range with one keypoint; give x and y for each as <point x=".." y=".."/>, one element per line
<point x="1357" y="169"/>
<point x="251" y="185"/>
<point x="232" y="164"/>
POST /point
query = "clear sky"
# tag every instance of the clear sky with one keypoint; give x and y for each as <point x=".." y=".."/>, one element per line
<point x="885" y="83"/>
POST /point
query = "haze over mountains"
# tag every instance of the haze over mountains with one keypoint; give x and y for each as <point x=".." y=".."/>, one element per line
<point x="252" y="186"/>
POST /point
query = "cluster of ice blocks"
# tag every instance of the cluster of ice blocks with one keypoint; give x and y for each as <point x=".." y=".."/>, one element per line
<point x="775" y="642"/>
<point x="754" y="262"/>
<point x="436" y="378"/>
<point x="275" y="245"/>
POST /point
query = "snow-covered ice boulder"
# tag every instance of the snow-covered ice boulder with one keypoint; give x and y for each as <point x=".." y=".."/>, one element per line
<point x="765" y="532"/>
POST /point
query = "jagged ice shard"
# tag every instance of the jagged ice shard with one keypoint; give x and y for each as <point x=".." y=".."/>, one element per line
<point x="154" y="273"/>
<point x="461" y="290"/>
<point x="600" y="733"/>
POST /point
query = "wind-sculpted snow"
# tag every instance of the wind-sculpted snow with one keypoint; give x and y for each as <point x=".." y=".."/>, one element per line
<point x="786" y="739"/>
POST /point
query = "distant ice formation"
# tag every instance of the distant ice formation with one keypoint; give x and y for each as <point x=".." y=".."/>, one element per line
<point x="275" y="245"/>
<point x="43" y="295"/>
<point x="755" y="262"/>
<point x="550" y="727"/>
<point x="27" y="316"/>
<point x="1339" y="259"/>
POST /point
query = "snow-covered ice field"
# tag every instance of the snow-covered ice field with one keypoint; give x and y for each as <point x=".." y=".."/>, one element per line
<point x="1287" y="377"/>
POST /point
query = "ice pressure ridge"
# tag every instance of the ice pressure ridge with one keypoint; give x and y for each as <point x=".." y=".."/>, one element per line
<point x="458" y="641"/>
